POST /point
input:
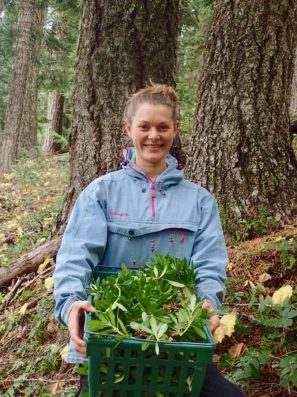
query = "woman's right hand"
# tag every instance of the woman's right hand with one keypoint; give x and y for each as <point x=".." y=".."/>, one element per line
<point x="76" y="324"/>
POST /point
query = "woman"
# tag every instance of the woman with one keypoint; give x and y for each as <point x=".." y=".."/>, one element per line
<point x="128" y="215"/>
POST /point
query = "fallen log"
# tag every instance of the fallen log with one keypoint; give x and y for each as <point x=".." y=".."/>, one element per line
<point x="29" y="262"/>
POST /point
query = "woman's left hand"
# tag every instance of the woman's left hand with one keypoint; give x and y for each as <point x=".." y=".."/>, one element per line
<point x="214" y="321"/>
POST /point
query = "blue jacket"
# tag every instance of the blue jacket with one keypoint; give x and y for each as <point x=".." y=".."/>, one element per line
<point x="124" y="217"/>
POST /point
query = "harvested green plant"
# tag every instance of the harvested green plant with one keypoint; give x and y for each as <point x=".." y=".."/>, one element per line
<point x="155" y="303"/>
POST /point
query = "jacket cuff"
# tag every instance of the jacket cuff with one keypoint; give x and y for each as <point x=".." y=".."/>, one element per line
<point x="67" y="307"/>
<point x="214" y="301"/>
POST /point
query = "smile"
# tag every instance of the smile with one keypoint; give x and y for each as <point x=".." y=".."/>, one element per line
<point x="153" y="146"/>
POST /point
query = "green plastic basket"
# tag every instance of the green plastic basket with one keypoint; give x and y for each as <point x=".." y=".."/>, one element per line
<point x="124" y="370"/>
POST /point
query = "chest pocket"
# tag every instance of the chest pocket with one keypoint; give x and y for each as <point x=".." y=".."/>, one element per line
<point x="141" y="229"/>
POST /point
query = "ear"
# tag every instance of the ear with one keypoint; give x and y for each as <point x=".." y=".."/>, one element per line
<point x="127" y="126"/>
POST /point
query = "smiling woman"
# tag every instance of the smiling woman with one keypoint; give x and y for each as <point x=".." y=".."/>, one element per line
<point x="129" y="216"/>
<point x="152" y="130"/>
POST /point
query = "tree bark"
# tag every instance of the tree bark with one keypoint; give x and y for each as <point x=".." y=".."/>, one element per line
<point x="241" y="148"/>
<point x="122" y="46"/>
<point x="19" y="94"/>
<point x="54" y="122"/>
<point x="29" y="262"/>
<point x="28" y="127"/>
<point x="293" y="104"/>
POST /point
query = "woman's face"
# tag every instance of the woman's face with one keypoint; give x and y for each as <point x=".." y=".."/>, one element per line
<point x="152" y="130"/>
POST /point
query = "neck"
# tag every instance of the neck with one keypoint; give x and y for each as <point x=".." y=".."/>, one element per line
<point x="151" y="170"/>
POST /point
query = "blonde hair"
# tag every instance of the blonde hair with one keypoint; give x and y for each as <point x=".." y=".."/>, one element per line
<point x="155" y="94"/>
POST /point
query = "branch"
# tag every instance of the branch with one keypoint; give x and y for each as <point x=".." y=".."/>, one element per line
<point x="29" y="262"/>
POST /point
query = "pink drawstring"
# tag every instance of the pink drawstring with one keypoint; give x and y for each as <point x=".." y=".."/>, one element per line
<point x="183" y="236"/>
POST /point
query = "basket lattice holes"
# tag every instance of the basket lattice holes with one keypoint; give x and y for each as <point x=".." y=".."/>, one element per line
<point x="131" y="372"/>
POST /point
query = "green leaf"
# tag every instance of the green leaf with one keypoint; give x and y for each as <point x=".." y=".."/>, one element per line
<point x="103" y="368"/>
<point x="121" y="307"/>
<point x="162" y="329"/>
<point x="189" y="381"/>
<point x="154" y="326"/>
<point x="121" y="324"/>
<point x="144" y="316"/>
<point x="119" y="378"/>
<point x="164" y="271"/>
<point x="193" y="301"/>
<point x="144" y="346"/>
<point x="157" y="348"/>
<point x="140" y="327"/>
<point x="175" y="284"/>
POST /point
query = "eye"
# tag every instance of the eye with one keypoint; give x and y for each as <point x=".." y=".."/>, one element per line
<point x="143" y="127"/>
<point x="164" y="128"/>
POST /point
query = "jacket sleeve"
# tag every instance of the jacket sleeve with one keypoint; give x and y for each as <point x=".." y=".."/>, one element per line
<point x="81" y="250"/>
<point x="210" y="253"/>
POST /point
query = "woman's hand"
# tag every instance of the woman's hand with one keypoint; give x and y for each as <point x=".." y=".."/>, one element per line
<point x="214" y="320"/>
<point x="76" y="324"/>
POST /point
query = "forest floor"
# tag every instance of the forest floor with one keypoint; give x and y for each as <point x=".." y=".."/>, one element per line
<point x="261" y="355"/>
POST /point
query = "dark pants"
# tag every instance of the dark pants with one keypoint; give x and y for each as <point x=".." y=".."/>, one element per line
<point x="215" y="385"/>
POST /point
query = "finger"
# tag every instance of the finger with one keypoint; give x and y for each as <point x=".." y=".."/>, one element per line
<point x="85" y="306"/>
<point x="80" y="350"/>
<point x="208" y="306"/>
<point x="214" y="323"/>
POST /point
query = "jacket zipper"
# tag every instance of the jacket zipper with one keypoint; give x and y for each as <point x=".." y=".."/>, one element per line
<point x="153" y="190"/>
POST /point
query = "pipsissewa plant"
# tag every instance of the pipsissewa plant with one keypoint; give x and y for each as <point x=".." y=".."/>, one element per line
<point x="157" y="303"/>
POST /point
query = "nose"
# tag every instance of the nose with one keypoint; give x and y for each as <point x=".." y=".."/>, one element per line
<point x="153" y="133"/>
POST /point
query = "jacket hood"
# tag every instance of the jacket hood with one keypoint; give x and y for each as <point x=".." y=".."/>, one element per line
<point x="171" y="176"/>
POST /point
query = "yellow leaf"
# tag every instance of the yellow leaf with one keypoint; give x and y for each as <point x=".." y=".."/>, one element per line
<point x="237" y="350"/>
<point x="44" y="264"/>
<point x="230" y="266"/>
<point x="264" y="277"/>
<point x="249" y="283"/>
<point x="282" y="294"/>
<point x="64" y="352"/>
<point x="8" y="177"/>
<point x="12" y="225"/>
<point x="278" y="239"/>
<point x="23" y="309"/>
<point x="226" y="327"/>
<point x="49" y="283"/>
<point x="219" y="334"/>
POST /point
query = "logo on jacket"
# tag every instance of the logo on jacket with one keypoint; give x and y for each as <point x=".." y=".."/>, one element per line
<point x="117" y="213"/>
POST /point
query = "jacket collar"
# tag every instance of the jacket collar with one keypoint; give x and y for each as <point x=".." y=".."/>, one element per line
<point x="171" y="176"/>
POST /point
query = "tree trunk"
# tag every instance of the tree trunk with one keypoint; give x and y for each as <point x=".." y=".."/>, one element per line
<point x="293" y="104"/>
<point x="29" y="262"/>
<point x="122" y="46"/>
<point x="19" y="97"/>
<point x="28" y="127"/>
<point x="54" y="123"/>
<point x="241" y="148"/>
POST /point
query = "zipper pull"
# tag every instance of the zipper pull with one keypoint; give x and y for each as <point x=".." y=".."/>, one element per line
<point x="183" y="236"/>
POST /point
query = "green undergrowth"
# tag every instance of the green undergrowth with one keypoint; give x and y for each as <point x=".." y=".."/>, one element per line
<point x="31" y="196"/>
<point x="31" y="348"/>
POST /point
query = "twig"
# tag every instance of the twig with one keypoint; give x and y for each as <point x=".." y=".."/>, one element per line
<point x="41" y="275"/>
<point x="11" y="293"/>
